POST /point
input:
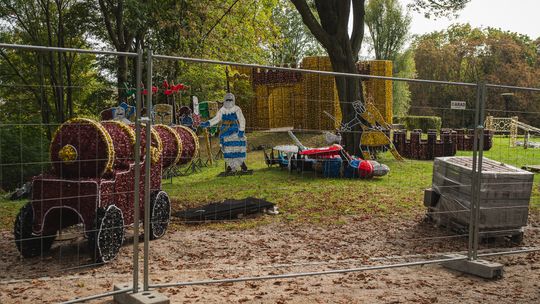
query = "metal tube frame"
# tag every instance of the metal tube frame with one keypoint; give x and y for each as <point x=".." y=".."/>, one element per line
<point x="480" y="134"/>
<point x="98" y="296"/>
<point x="59" y="49"/>
<point x="474" y="178"/>
<point x="476" y="184"/>
<point x="501" y="86"/>
<point x="147" y="163"/>
<point x="481" y="88"/>
<point x="327" y="73"/>
<point x="137" y="183"/>
<point x="306" y="274"/>
<point x="138" y="55"/>
<point x="338" y="271"/>
<point x="477" y="165"/>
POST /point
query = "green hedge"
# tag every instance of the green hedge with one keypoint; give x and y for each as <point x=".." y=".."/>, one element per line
<point x="420" y="122"/>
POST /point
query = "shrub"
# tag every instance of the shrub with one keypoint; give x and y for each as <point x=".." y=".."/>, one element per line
<point x="23" y="154"/>
<point x="420" y="122"/>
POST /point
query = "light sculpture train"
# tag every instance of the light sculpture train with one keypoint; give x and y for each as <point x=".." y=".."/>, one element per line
<point x="92" y="183"/>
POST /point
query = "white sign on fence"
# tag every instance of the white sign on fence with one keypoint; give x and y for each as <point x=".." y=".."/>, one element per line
<point x="458" y="105"/>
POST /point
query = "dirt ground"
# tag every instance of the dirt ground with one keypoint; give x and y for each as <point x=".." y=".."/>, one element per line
<point x="204" y="252"/>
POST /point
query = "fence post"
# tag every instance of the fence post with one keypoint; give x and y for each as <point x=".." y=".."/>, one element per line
<point x="478" y="152"/>
<point x="472" y="207"/>
<point x="480" y="131"/>
<point x="148" y="160"/>
<point x="136" y="194"/>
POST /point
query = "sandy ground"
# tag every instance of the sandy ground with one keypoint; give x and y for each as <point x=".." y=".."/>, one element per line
<point x="202" y="252"/>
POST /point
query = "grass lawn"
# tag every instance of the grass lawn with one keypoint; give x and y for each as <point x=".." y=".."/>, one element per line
<point x="8" y="212"/>
<point x="307" y="198"/>
<point x="302" y="198"/>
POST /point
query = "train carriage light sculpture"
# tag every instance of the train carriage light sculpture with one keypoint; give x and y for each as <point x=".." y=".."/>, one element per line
<point x="92" y="182"/>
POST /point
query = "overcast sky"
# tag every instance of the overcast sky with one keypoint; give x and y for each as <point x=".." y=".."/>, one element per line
<point x="522" y="16"/>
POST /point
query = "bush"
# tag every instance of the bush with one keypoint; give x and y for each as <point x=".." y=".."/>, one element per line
<point x="24" y="152"/>
<point x="420" y="122"/>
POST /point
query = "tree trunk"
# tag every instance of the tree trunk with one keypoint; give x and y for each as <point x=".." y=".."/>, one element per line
<point x="122" y="71"/>
<point x="60" y="43"/>
<point x="58" y="103"/>
<point x="349" y="90"/>
<point x="43" y="100"/>
<point x="331" y="29"/>
<point x="69" y="89"/>
<point x="121" y="38"/>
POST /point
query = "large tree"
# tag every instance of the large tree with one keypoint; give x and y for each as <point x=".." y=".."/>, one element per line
<point x="123" y="24"/>
<point x="293" y="39"/>
<point x="328" y="21"/>
<point x="465" y="54"/>
<point x="41" y="89"/>
<point x="54" y="23"/>
<point x="388" y="26"/>
<point x="228" y="30"/>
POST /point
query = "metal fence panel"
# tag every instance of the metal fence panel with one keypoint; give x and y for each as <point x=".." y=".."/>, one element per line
<point x="69" y="223"/>
<point x="474" y="200"/>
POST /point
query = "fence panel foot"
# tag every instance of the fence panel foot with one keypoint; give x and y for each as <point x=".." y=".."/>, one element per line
<point x="481" y="268"/>
<point x="141" y="297"/>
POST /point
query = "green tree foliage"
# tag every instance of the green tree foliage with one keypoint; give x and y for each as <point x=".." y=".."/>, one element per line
<point x="389" y="27"/>
<point x="230" y="30"/>
<point x="293" y="40"/>
<point x="40" y="90"/>
<point x="328" y="21"/>
<point x="58" y="23"/>
<point x="467" y="54"/>
<point x="404" y="67"/>
<point x="438" y="8"/>
<point x="21" y="158"/>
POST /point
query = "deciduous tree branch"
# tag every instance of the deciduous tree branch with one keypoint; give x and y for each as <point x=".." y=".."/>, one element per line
<point x="311" y="22"/>
<point x="358" y="25"/>
<point x="108" y="24"/>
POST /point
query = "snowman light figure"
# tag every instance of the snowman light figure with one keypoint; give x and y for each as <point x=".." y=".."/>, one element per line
<point x="120" y="115"/>
<point x="231" y="138"/>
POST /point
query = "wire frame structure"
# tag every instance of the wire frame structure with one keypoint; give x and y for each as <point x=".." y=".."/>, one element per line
<point x="328" y="225"/>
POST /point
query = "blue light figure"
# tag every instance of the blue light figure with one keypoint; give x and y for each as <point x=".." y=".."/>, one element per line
<point x="231" y="138"/>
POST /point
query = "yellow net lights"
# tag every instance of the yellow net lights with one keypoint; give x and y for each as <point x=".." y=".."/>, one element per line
<point x="195" y="139"/>
<point x="302" y="104"/>
<point x="68" y="154"/>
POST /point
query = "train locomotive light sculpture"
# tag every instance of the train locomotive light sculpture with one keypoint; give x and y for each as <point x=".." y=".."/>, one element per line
<point x="92" y="182"/>
<point x="331" y="161"/>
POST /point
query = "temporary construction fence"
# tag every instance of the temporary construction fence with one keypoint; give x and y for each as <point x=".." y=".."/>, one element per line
<point x="170" y="263"/>
<point x="65" y="207"/>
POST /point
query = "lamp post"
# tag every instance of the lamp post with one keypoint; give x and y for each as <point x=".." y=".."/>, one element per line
<point x="507" y="99"/>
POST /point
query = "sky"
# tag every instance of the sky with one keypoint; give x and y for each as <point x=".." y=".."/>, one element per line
<point x="520" y="16"/>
